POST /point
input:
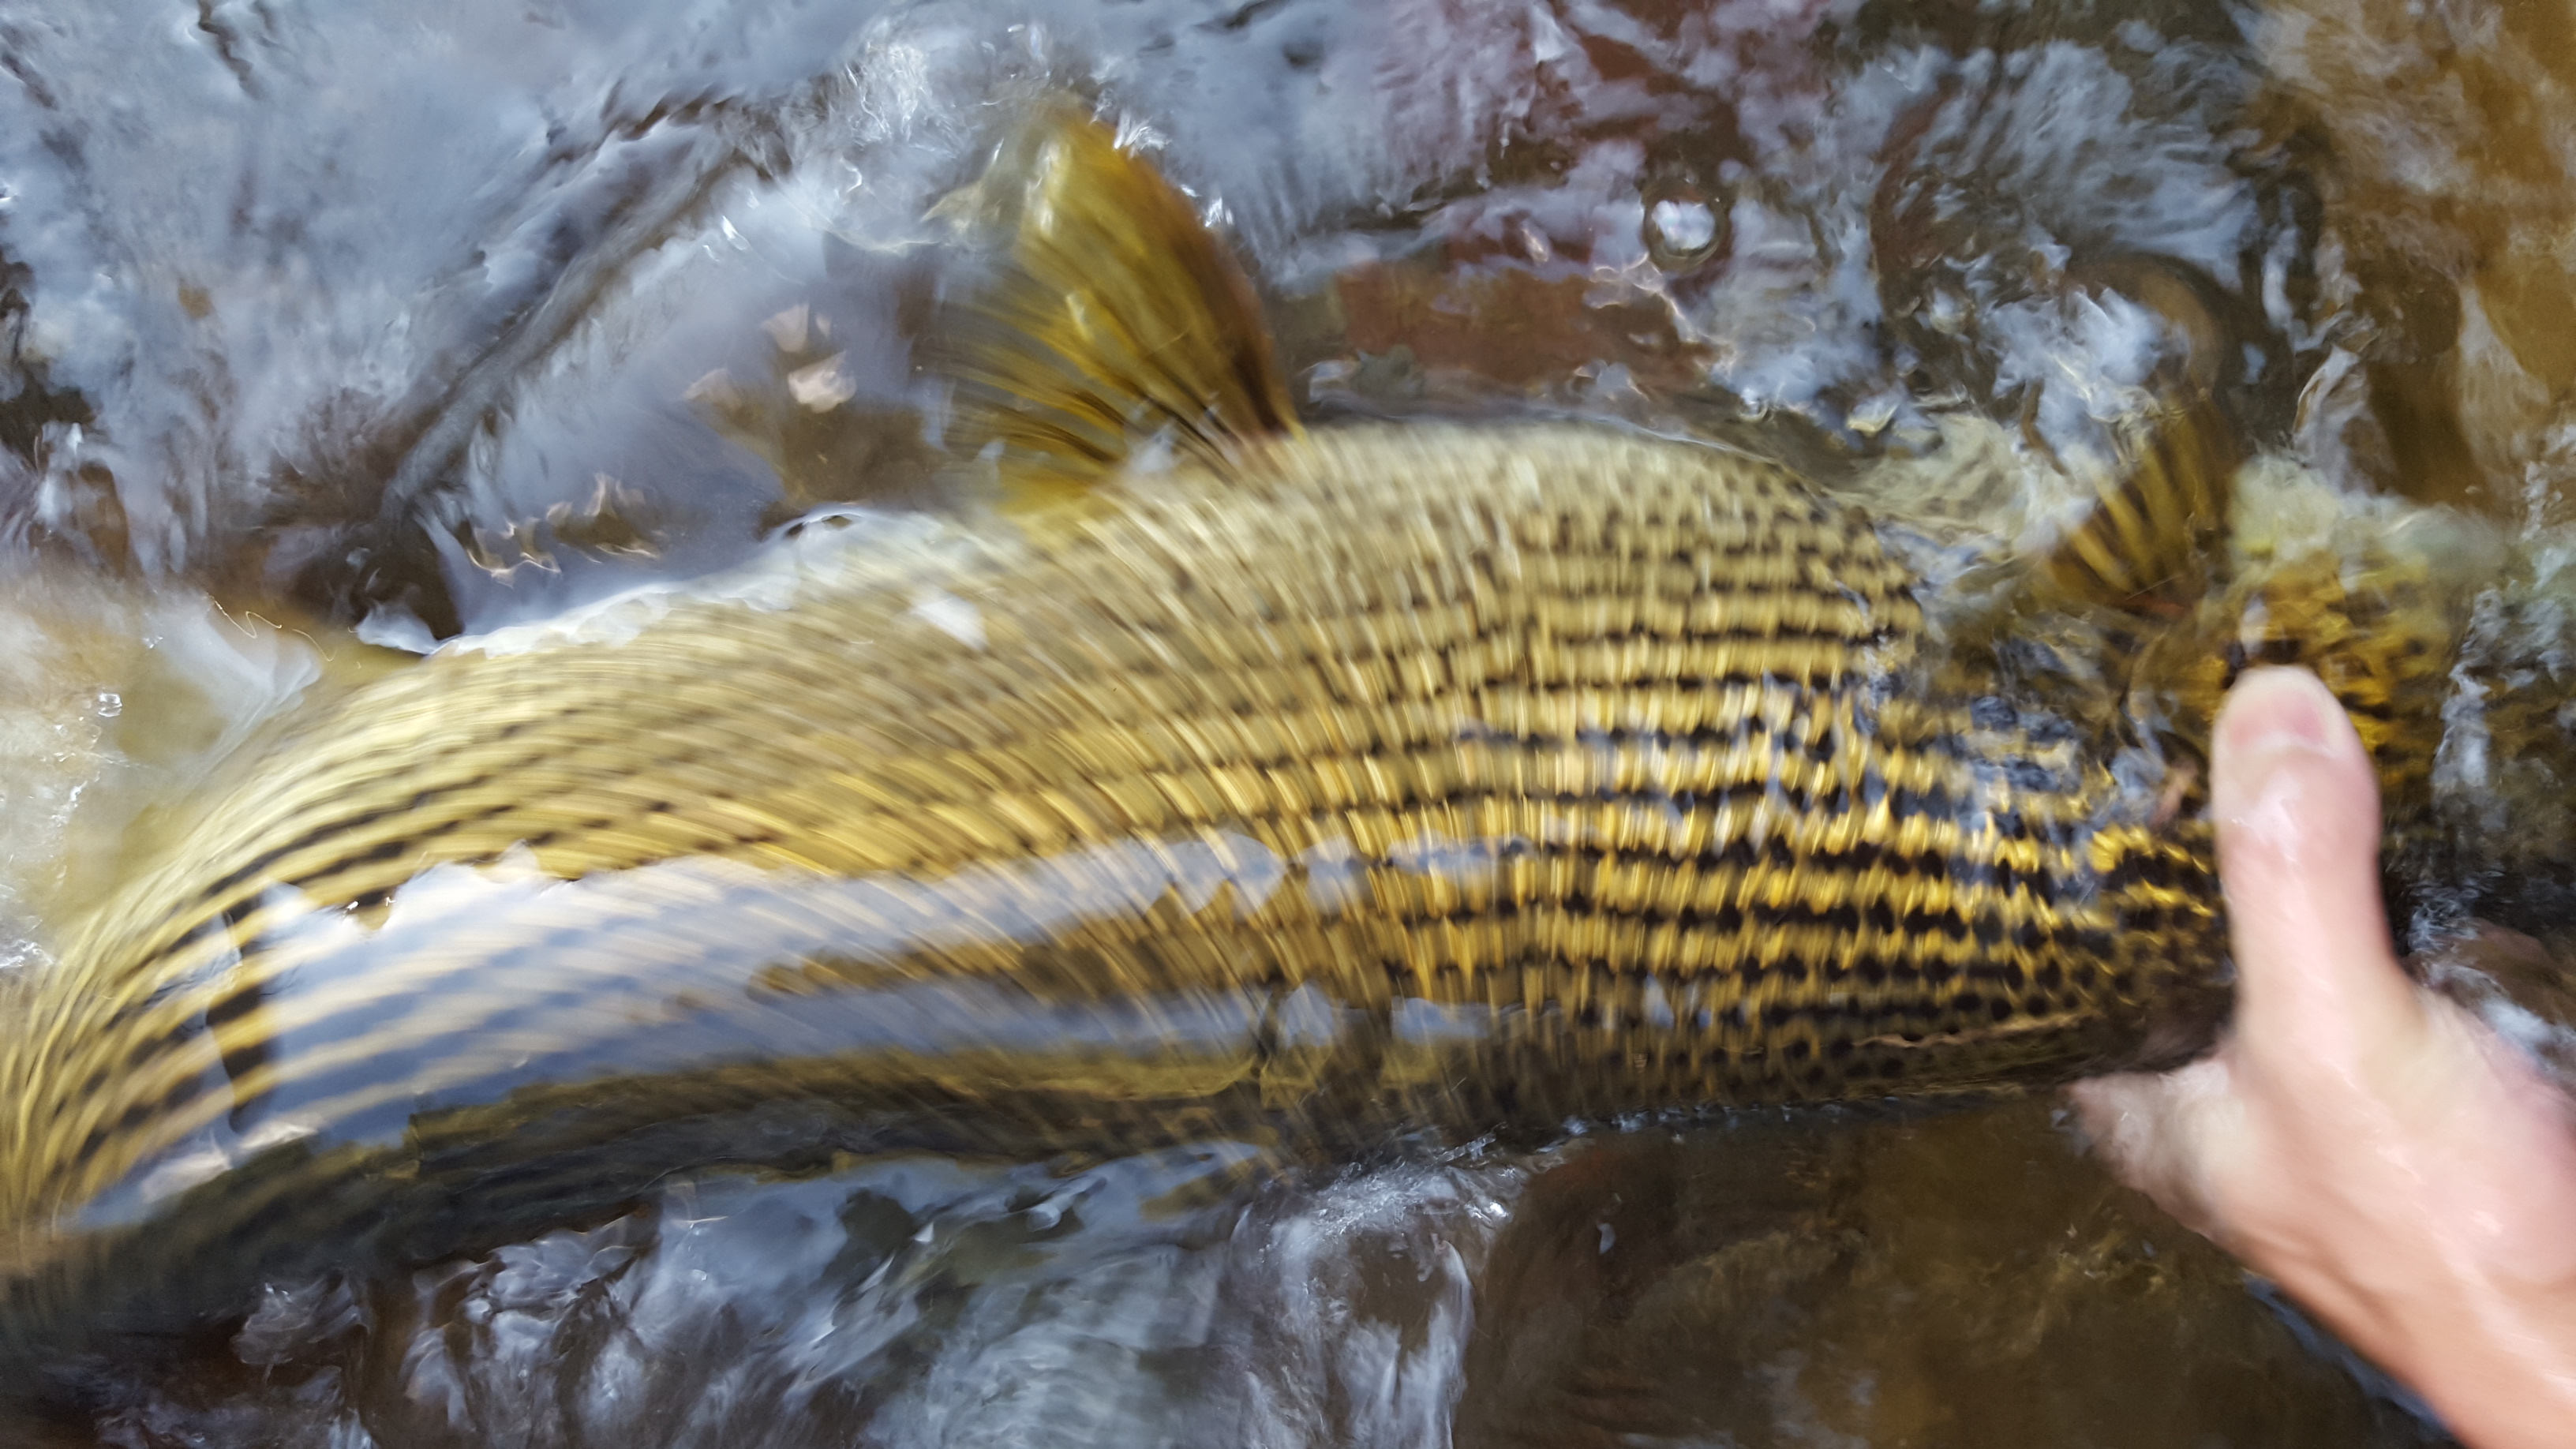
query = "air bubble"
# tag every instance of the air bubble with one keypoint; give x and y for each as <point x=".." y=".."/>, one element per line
<point x="1683" y="228"/>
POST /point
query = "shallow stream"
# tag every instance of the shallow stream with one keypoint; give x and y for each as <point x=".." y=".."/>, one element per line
<point x="328" y="330"/>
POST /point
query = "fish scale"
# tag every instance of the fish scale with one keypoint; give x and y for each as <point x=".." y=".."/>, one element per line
<point x="1347" y="736"/>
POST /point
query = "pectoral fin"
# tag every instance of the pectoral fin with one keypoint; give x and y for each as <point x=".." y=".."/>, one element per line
<point x="2161" y="516"/>
<point x="2147" y="546"/>
<point x="1115" y="317"/>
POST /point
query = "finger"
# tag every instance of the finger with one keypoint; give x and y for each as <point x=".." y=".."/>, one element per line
<point x="2163" y="1134"/>
<point x="2318" y="985"/>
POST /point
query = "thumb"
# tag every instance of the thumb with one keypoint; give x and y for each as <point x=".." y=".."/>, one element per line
<point x="2319" y="989"/>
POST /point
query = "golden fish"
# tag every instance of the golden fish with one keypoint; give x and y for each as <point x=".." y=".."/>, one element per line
<point x="1318" y="788"/>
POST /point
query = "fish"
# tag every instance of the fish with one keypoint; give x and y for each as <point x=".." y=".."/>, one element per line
<point x="1321" y="787"/>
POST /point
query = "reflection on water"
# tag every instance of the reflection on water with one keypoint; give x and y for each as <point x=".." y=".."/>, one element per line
<point x="359" y="317"/>
<point x="659" y="279"/>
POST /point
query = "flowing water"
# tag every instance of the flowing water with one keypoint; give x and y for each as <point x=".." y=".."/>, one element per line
<point x="604" y="292"/>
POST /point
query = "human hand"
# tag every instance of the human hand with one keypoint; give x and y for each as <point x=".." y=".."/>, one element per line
<point x="2367" y="1144"/>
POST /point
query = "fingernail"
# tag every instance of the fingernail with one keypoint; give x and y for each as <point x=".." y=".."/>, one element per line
<point x="2273" y="709"/>
<point x="2272" y="718"/>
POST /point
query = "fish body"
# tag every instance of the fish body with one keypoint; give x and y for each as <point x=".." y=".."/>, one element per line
<point x="1411" y="778"/>
<point x="1324" y="787"/>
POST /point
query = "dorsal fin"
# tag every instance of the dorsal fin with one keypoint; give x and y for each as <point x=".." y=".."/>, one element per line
<point x="1115" y="317"/>
<point x="2147" y="544"/>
